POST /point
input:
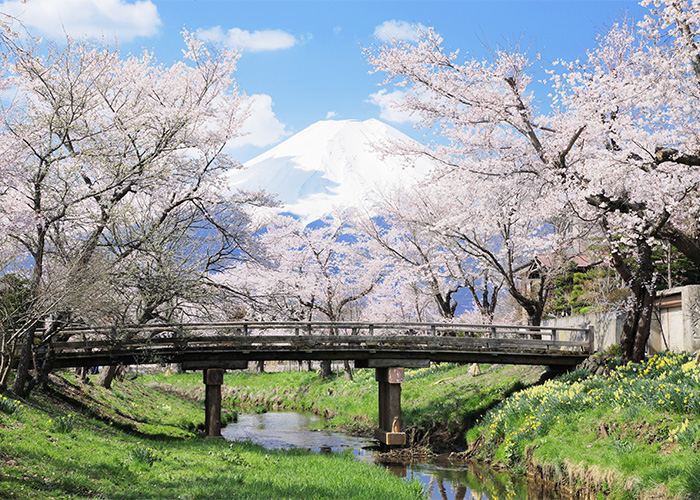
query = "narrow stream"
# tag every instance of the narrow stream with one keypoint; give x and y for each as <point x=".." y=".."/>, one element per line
<point x="442" y="479"/>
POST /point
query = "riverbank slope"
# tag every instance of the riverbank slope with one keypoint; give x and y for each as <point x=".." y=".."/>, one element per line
<point x="78" y="441"/>
<point x="631" y="432"/>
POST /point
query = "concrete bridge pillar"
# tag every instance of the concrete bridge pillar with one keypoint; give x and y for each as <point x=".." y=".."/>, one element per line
<point x="213" y="379"/>
<point x="389" y="430"/>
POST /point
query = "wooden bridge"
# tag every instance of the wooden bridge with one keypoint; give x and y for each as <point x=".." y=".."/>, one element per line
<point x="387" y="347"/>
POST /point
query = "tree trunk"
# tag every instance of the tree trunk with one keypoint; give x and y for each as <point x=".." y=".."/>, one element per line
<point x="629" y="330"/>
<point x="644" y="327"/>
<point x="326" y="368"/>
<point x="534" y="318"/>
<point x="46" y="365"/>
<point x="348" y="370"/>
<point x="260" y="366"/>
<point x="19" y="386"/>
<point x="107" y="375"/>
<point x="640" y="279"/>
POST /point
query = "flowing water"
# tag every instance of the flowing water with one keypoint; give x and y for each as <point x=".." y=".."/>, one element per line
<point x="442" y="479"/>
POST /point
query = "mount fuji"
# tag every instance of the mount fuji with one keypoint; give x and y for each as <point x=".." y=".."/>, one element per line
<point x="333" y="164"/>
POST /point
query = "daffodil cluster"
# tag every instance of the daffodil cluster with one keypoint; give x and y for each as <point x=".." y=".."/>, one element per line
<point x="668" y="382"/>
<point x="63" y="424"/>
<point x="10" y="406"/>
<point x="144" y="455"/>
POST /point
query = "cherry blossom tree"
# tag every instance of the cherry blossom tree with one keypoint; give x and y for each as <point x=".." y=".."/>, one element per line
<point x="110" y="152"/>
<point x="618" y="149"/>
<point x="320" y="272"/>
<point x="499" y="191"/>
<point x="424" y="260"/>
<point x="637" y="94"/>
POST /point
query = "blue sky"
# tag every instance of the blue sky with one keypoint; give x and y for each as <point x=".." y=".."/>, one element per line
<point x="302" y="61"/>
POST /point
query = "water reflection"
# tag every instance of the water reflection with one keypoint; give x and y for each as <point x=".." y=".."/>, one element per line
<point x="442" y="479"/>
<point x="292" y="430"/>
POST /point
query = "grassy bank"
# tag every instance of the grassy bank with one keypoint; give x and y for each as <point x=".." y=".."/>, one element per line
<point x="133" y="442"/>
<point x="633" y="433"/>
<point x="438" y="403"/>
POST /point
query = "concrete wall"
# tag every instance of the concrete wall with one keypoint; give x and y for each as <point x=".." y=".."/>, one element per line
<point x="607" y="326"/>
<point x="675" y="328"/>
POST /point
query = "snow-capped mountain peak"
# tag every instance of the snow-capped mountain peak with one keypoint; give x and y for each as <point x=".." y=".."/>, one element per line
<point x="331" y="164"/>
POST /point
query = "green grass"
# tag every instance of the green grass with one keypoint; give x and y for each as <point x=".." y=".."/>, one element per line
<point x="134" y="443"/>
<point x="443" y="397"/>
<point x="636" y="431"/>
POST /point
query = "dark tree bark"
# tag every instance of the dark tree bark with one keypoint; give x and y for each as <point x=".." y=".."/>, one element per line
<point x="326" y="368"/>
<point x="107" y="375"/>
<point x="639" y="277"/>
<point x="688" y="245"/>
<point x="19" y="387"/>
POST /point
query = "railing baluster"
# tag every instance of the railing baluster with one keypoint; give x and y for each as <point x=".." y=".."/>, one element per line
<point x="231" y="336"/>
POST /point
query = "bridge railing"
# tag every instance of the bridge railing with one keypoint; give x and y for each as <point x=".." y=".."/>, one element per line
<point x="138" y="344"/>
<point x="578" y="339"/>
<point x="245" y="328"/>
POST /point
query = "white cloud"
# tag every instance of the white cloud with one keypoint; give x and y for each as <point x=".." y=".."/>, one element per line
<point x="398" y="30"/>
<point x="388" y="104"/>
<point x="331" y="114"/>
<point x="256" y="41"/>
<point x="261" y="128"/>
<point x="93" y="18"/>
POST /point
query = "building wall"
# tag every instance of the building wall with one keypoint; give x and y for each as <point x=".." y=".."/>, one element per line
<point x="676" y="325"/>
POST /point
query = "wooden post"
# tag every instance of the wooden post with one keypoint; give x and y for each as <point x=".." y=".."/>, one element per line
<point x="213" y="378"/>
<point x="389" y="430"/>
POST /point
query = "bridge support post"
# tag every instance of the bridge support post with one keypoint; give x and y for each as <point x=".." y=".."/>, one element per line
<point x="389" y="431"/>
<point x="213" y="379"/>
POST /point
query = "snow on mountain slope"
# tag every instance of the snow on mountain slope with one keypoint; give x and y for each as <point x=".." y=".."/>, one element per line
<point x="331" y="164"/>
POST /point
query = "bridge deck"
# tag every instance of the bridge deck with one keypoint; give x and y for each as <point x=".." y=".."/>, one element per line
<point x="219" y="342"/>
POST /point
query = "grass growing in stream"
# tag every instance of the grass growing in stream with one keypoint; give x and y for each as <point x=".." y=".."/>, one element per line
<point x="134" y="442"/>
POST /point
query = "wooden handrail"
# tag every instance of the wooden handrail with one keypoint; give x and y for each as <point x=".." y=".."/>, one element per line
<point x="247" y="326"/>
